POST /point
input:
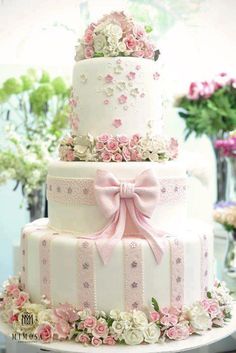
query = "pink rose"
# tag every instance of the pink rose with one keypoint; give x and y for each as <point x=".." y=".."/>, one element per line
<point x="194" y="91"/>
<point x="13" y="317"/>
<point x="88" y="37"/>
<point x="135" y="156"/>
<point x="90" y="322"/>
<point x="70" y="155"/>
<point x="126" y="154"/>
<point x="66" y="312"/>
<point x="82" y="338"/>
<point x="207" y="90"/>
<point x="21" y="299"/>
<point x="136" y="138"/>
<point x="155" y="316"/>
<point x="112" y="145"/>
<point x="117" y="157"/>
<point x="138" y="31"/>
<point x="172" y="333"/>
<point x="182" y="331"/>
<point x="117" y="123"/>
<point x="149" y="53"/>
<point x="13" y="290"/>
<point x="168" y="320"/>
<point x="221" y="80"/>
<point x="123" y="140"/>
<point x="122" y="99"/>
<point x="138" y="53"/>
<point x="103" y="138"/>
<point x="45" y="332"/>
<point x="130" y="42"/>
<point x="88" y="52"/>
<point x="96" y="341"/>
<point x="106" y="156"/>
<point x="109" y="340"/>
<point x="165" y="311"/>
<point x="62" y="329"/>
<point x="109" y="78"/>
<point x="100" y="330"/>
<point x="99" y="146"/>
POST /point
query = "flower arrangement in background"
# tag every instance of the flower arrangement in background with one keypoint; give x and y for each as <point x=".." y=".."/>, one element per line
<point x="227" y="147"/>
<point x="210" y="106"/>
<point x="116" y="35"/>
<point x="225" y="214"/>
<point x="34" y="114"/>
<point x="64" y="322"/>
<point x="108" y="148"/>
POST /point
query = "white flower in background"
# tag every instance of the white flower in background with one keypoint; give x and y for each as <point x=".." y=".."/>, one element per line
<point x="133" y="337"/>
<point x="151" y="333"/>
<point x="221" y="293"/>
<point x="99" y="42"/>
<point x="115" y="314"/>
<point x="198" y="317"/>
<point x="139" y="319"/>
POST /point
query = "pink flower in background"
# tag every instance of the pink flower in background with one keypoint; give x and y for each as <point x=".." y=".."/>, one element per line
<point x="88" y="37"/>
<point x="82" y="338"/>
<point x="109" y="340"/>
<point x="109" y="78"/>
<point x="138" y="53"/>
<point x="112" y="145"/>
<point x="96" y="341"/>
<point x="103" y="138"/>
<point x="62" y="329"/>
<point x="117" y="123"/>
<point x="21" y="299"/>
<point x="183" y="331"/>
<point x="131" y="75"/>
<point x="99" y="146"/>
<point x="173" y="148"/>
<point x="123" y="140"/>
<point x="45" y="332"/>
<point x="13" y="290"/>
<point x="194" y="90"/>
<point x="155" y="316"/>
<point x="66" y="312"/>
<point x="90" y="322"/>
<point x="106" y="156"/>
<point x="117" y="157"/>
<point x="130" y="42"/>
<point x="149" y="53"/>
<point x="208" y="88"/>
<point x="168" y="320"/>
<point x="222" y="79"/>
<point x="100" y="330"/>
<point x="138" y="31"/>
<point x="88" y="52"/>
<point x="122" y="99"/>
<point x="73" y="102"/>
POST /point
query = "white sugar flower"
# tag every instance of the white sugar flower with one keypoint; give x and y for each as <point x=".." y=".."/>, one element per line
<point x="45" y="315"/>
<point x="198" y="317"/>
<point x="151" y="333"/>
<point x="121" y="46"/>
<point x="133" y="337"/>
<point x="139" y="319"/>
<point x="125" y="316"/>
<point x="118" y="326"/>
<point x="114" y="30"/>
<point x="115" y="314"/>
<point x="99" y="42"/>
<point x="154" y="157"/>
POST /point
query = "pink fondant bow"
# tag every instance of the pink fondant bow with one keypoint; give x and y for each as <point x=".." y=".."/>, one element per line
<point x="115" y="198"/>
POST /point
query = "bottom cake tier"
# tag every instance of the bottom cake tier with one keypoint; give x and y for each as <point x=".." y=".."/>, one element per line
<point x="67" y="269"/>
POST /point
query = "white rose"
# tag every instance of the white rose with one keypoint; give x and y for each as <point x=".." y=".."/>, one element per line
<point x="85" y="313"/>
<point x="133" y="337"/>
<point x="125" y="316"/>
<point x="118" y="326"/>
<point x="140" y="320"/>
<point x="121" y="47"/>
<point x="199" y="318"/>
<point x="115" y="314"/>
<point x="151" y="333"/>
<point x="115" y="31"/>
<point x="154" y="157"/>
<point x="99" y="42"/>
<point x="45" y="315"/>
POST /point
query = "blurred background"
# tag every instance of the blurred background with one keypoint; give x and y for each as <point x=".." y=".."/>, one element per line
<point x="197" y="42"/>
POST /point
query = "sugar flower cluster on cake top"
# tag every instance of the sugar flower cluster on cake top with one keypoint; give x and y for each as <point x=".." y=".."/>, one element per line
<point x="116" y="35"/>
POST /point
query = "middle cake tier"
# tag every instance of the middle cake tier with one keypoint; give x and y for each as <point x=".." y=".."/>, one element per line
<point x="72" y="202"/>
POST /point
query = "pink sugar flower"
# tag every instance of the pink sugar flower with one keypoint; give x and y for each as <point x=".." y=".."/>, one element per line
<point x="172" y="333"/>
<point x="99" y="146"/>
<point x="88" y="52"/>
<point x="117" y="157"/>
<point x="122" y="99"/>
<point x="21" y="299"/>
<point x="126" y="154"/>
<point x="106" y="101"/>
<point x="183" y="331"/>
<point x="138" y="53"/>
<point x="155" y="316"/>
<point x="88" y="37"/>
<point x="136" y="138"/>
<point x="135" y="156"/>
<point x="109" y="78"/>
<point x="45" y="332"/>
<point x="66" y="312"/>
<point x="70" y="155"/>
<point x="168" y="320"/>
<point x="62" y="329"/>
<point x="96" y="341"/>
<point x="112" y="145"/>
<point x="109" y="340"/>
<point x="13" y="290"/>
<point x="82" y="338"/>
<point x="130" y="42"/>
<point x="123" y="140"/>
<point x="90" y="322"/>
<point x="13" y="317"/>
<point x="100" y="330"/>
<point x="117" y="123"/>
<point x="138" y="31"/>
<point x="131" y="75"/>
<point x="106" y="156"/>
<point x="73" y="102"/>
<point x="103" y="138"/>
<point x="156" y="76"/>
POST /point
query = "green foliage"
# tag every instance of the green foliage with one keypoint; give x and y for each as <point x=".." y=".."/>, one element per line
<point x="34" y="114"/>
<point x="210" y="116"/>
<point x="155" y="304"/>
<point x="148" y="29"/>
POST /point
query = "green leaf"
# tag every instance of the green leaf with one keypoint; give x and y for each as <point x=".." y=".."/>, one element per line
<point x="27" y="82"/>
<point x="59" y="85"/>
<point x="209" y="295"/>
<point x="148" y="29"/>
<point x="12" y="86"/>
<point x="45" y="78"/>
<point x="40" y="97"/>
<point x="3" y="96"/>
<point x="155" y="304"/>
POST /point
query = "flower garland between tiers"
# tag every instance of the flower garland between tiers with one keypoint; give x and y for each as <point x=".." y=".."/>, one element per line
<point x="64" y="322"/>
<point x="108" y="148"/>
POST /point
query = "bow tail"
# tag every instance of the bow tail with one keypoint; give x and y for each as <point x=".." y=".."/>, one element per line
<point x="151" y="235"/>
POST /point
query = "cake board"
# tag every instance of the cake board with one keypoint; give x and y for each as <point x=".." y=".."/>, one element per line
<point x="193" y="342"/>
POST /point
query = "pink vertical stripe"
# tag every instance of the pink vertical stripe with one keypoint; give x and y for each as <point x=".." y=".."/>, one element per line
<point x="177" y="272"/>
<point x="86" y="274"/>
<point x="133" y="274"/>
<point x="24" y="259"/>
<point x="204" y="264"/>
<point x="45" y="270"/>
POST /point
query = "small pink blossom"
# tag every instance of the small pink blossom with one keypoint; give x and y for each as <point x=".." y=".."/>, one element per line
<point x="168" y="320"/>
<point x="13" y="290"/>
<point x="45" y="332"/>
<point x="96" y="341"/>
<point x="21" y="299"/>
<point x="222" y="79"/>
<point x="109" y="340"/>
<point x="62" y="329"/>
<point x="99" y="146"/>
<point x="136" y="138"/>
<point x="131" y="75"/>
<point x="117" y="123"/>
<point x="138" y="31"/>
<point x="208" y="88"/>
<point x="103" y="138"/>
<point x="194" y="90"/>
<point x="82" y="338"/>
<point x="109" y="78"/>
<point x="106" y="156"/>
<point x="88" y="52"/>
<point x="173" y="148"/>
<point x="112" y="145"/>
<point x="126" y="153"/>
<point x="122" y="99"/>
<point x="155" y="316"/>
<point x="90" y="322"/>
<point x="13" y="317"/>
<point x="130" y="42"/>
<point x="88" y="37"/>
<point x="156" y="76"/>
<point x="106" y="101"/>
<point x="66" y="312"/>
<point x="73" y="102"/>
<point x="149" y="53"/>
<point x="117" y="157"/>
<point x="123" y="140"/>
<point x="100" y="330"/>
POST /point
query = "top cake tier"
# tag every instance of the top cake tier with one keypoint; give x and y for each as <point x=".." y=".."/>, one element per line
<point x="115" y="95"/>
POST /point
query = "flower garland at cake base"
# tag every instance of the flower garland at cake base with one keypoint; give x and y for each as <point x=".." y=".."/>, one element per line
<point x="64" y="322"/>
